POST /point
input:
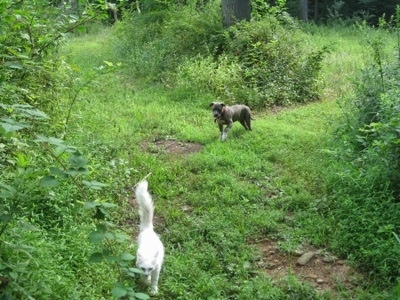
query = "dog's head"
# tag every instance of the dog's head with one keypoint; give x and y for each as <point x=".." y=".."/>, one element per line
<point x="218" y="109"/>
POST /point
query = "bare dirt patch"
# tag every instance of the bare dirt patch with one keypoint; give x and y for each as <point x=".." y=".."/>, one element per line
<point x="323" y="271"/>
<point x="171" y="146"/>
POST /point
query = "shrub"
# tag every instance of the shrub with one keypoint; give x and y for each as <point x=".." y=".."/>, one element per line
<point x="366" y="186"/>
<point x="275" y="62"/>
<point x="154" y="43"/>
<point x="264" y="62"/>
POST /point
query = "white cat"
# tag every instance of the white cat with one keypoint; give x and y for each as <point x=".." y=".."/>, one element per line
<point x="150" y="253"/>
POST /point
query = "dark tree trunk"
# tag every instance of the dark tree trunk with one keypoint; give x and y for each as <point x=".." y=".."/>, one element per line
<point x="316" y="11"/>
<point x="235" y="11"/>
<point x="304" y="10"/>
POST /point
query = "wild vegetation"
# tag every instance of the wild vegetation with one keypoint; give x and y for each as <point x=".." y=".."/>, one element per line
<point x="84" y="120"/>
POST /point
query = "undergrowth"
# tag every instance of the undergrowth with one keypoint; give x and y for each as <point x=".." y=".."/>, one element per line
<point x="268" y="61"/>
<point x="365" y="190"/>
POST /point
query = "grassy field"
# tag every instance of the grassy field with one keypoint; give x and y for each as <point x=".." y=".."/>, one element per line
<point x="218" y="202"/>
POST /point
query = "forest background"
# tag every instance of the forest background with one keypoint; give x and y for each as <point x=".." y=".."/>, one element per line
<point x="93" y="93"/>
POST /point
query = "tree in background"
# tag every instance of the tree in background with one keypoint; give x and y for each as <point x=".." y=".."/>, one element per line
<point x="325" y="10"/>
<point x="235" y="11"/>
<point x="304" y="10"/>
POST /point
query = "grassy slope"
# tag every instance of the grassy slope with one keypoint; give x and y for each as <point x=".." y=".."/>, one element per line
<point x="213" y="205"/>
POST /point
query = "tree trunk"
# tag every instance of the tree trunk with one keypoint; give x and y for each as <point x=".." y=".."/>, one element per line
<point x="234" y="11"/>
<point x="304" y="10"/>
<point x="316" y="10"/>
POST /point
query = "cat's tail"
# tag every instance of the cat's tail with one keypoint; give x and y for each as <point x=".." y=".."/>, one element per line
<point x="146" y="207"/>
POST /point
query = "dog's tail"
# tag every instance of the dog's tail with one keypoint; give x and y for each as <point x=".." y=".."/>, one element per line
<point x="146" y="207"/>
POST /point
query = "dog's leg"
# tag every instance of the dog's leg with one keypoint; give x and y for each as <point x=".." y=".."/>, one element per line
<point x="245" y="124"/>
<point x="221" y="132"/>
<point x="248" y="121"/>
<point x="225" y="132"/>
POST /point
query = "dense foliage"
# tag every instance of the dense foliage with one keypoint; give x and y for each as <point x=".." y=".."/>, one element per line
<point x="327" y="11"/>
<point x="366" y="189"/>
<point x="264" y="62"/>
<point x="48" y="238"/>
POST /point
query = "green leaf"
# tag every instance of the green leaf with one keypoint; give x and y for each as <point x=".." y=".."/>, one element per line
<point x="396" y="236"/>
<point x="50" y="140"/>
<point x="22" y="160"/>
<point x="101" y="228"/>
<point x="5" y="218"/>
<point x="142" y="296"/>
<point x="10" y="125"/>
<point x="28" y="226"/>
<point x="90" y="205"/>
<point x="103" y="210"/>
<point x="112" y="258"/>
<point x="74" y="172"/>
<point x="13" y="65"/>
<point x="94" y="185"/>
<point x="3" y="132"/>
<point x="109" y="236"/>
<point x="131" y="274"/>
<point x="7" y="191"/>
<point x="119" y="292"/>
<point x="124" y="263"/>
<point x="65" y="149"/>
<point x="96" y="257"/>
<point x="33" y="113"/>
<point x="60" y="144"/>
<point x="135" y="270"/>
<point x="77" y="161"/>
<point x="49" y="181"/>
<point x="108" y="205"/>
<point x="58" y="172"/>
<point x="120" y="238"/>
<point x="127" y="256"/>
<point x="96" y="237"/>
<point x="106" y="251"/>
<point x="13" y="275"/>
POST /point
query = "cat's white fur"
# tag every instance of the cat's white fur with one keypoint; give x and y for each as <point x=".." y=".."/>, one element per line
<point x="150" y="253"/>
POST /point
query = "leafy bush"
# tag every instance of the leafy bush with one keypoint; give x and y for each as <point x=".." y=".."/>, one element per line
<point x="221" y="77"/>
<point x="155" y="42"/>
<point x="30" y="32"/>
<point x="275" y="62"/>
<point x="261" y="63"/>
<point x="366" y="187"/>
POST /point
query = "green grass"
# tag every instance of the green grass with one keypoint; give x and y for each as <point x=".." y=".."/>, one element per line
<point x="349" y="50"/>
<point x="212" y="205"/>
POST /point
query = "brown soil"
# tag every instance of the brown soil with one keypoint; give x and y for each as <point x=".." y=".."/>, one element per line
<point x="171" y="146"/>
<point x="324" y="271"/>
